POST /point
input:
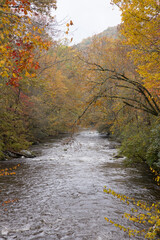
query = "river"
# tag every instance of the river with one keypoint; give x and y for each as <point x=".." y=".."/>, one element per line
<point x="60" y="192"/>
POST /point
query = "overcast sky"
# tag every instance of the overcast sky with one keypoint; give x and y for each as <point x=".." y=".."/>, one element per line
<point x="89" y="16"/>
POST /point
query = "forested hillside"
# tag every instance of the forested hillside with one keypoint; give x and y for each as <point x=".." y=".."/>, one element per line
<point x="117" y="79"/>
<point x="36" y="94"/>
<point x="111" y="32"/>
<point x="110" y="82"/>
<point x="123" y="81"/>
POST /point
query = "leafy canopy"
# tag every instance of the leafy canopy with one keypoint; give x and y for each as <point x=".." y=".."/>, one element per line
<point x="19" y="38"/>
<point x="140" y="27"/>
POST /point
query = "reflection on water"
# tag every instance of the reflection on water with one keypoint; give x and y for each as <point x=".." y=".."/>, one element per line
<point x="61" y="194"/>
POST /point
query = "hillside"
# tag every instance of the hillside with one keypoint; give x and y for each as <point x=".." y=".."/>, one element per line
<point x="111" y="32"/>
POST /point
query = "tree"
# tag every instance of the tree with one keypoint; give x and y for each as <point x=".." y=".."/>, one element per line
<point x="122" y="104"/>
<point x="19" y="39"/>
<point x="113" y="76"/>
<point x="144" y="37"/>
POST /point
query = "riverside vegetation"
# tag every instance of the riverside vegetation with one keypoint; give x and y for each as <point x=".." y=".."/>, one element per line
<point x="117" y="74"/>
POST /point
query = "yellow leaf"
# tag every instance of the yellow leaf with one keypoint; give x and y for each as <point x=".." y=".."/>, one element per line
<point x="27" y="74"/>
<point x="5" y="74"/>
<point x="40" y="31"/>
<point x="2" y="63"/>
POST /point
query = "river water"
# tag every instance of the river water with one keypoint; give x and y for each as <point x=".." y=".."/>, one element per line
<point x="60" y="192"/>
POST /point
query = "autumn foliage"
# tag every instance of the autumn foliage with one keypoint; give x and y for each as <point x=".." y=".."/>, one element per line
<point x="18" y="41"/>
<point x="111" y="83"/>
<point x="34" y="88"/>
<point x="123" y="83"/>
<point x="142" y="213"/>
<point x="117" y="79"/>
<point x="144" y="37"/>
